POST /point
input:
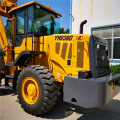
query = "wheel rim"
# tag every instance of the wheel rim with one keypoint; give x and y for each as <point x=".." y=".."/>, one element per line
<point x="30" y="90"/>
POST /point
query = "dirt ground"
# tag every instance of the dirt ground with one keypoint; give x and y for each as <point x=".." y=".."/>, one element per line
<point x="10" y="109"/>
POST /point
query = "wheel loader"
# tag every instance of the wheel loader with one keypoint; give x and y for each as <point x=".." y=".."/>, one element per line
<point x="40" y="62"/>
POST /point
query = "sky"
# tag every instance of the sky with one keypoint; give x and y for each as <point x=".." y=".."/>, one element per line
<point x="60" y="6"/>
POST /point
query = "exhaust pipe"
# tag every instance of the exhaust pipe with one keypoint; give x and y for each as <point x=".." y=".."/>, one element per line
<point x="81" y="26"/>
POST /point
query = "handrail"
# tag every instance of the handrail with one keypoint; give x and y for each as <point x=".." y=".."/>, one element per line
<point x="39" y="34"/>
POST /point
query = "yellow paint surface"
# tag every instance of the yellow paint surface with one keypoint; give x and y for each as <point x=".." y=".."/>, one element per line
<point x="54" y="61"/>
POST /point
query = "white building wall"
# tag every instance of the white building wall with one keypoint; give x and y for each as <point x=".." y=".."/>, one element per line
<point x="96" y="12"/>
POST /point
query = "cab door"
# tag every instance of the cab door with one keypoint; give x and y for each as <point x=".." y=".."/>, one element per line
<point x="20" y="32"/>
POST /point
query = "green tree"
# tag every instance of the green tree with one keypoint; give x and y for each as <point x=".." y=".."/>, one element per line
<point x="62" y="31"/>
<point x="67" y="31"/>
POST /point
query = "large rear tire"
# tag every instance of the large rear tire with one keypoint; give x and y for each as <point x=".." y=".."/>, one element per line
<point x="37" y="90"/>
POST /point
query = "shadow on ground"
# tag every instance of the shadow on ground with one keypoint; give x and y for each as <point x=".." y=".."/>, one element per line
<point x="67" y="111"/>
<point x="4" y="91"/>
<point x="64" y="110"/>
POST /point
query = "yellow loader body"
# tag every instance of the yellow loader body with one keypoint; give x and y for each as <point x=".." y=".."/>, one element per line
<point x="59" y="50"/>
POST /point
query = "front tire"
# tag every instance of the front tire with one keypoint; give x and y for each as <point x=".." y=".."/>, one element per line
<point x="37" y="90"/>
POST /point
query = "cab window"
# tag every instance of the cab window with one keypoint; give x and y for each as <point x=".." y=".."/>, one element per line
<point x="42" y="21"/>
<point x="20" y="22"/>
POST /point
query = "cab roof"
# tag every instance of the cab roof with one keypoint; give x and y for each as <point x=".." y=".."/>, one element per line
<point x="33" y="3"/>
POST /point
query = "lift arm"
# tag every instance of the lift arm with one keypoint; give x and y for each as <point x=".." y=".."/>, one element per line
<point x="5" y="6"/>
<point x="3" y="37"/>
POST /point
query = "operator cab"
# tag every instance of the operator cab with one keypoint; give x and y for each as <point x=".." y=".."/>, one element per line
<point x="34" y="18"/>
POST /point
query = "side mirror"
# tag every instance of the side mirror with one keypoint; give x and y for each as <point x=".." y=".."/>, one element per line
<point x="9" y="23"/>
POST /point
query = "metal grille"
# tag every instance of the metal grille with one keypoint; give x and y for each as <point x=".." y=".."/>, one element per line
<point x="80" y="54"/>
<point x="64" y="48"/>
<point x="57" y="47"/>
<point x="70" y="52"/>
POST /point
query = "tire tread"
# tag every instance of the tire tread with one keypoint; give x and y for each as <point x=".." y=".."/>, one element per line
<point x="49" y="89"/>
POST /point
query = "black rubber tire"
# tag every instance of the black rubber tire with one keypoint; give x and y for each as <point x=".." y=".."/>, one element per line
<point x="47" y="87"/>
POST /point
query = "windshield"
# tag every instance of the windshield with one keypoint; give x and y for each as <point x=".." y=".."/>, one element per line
<point x="42" y="21"/>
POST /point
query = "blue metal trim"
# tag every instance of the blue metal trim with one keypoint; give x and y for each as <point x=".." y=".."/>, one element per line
<point x="113" y="25"/>
<point x="70" y="16"/>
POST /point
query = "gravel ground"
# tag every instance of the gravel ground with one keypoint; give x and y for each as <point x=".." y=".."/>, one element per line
<point x="10" y="109"/>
